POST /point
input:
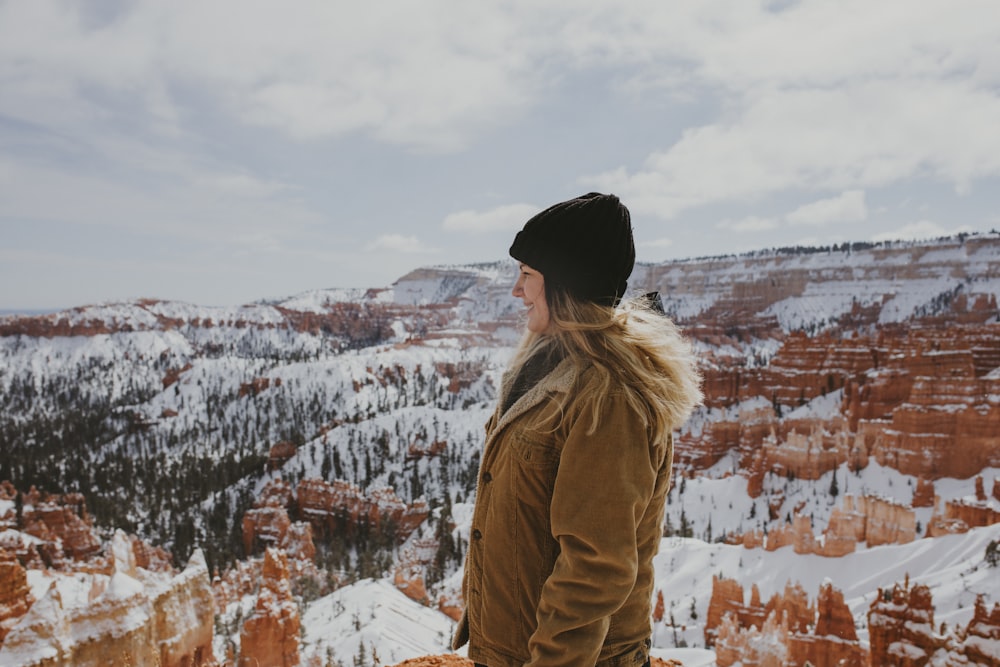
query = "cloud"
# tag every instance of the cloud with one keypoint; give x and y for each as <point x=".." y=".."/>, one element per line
<point x="864" y="103"/>
<point x="749" y="224"/>
<point x="241" y="185"/>
<point x="437" y="75"/>
<point x="208" y="207"/>
<point x="400" y="244"/>
<point x="656" y="244"/>
<point x="847" y="207"/>
<point x="502" y="218"/>
<point x="919" y="230"/>
<point x="862" y="135"/>
<point x="426" y="79"/>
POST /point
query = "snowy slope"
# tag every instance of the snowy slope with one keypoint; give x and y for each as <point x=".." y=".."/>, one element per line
<point x="151" y="409"/>
<point x="386" y="623"/>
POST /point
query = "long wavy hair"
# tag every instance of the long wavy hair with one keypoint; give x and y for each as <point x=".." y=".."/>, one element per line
<point x="632" y="347"/>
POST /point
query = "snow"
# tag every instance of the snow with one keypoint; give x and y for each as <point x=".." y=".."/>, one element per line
<point x="74" y="590"/>
<point x="389" y="624"/>
<point x="317" y="301"/>
<point x="373" y="617"/>
<point x="374" y="612"/>
<point x="123" y="586"/>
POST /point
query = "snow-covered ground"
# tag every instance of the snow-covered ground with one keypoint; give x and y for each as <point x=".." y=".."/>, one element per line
<point x="373" y="618"/>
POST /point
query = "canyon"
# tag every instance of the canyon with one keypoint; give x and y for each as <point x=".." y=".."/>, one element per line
<point x="277" y="453"/>
<point x="124" y="604"/>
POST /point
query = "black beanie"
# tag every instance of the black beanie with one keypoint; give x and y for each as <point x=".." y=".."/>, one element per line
<point x="583" y="246"/>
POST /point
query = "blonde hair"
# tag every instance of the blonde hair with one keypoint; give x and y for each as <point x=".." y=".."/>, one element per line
<point x="631" y="347"/>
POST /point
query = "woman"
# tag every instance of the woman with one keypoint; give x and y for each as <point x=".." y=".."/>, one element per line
<point x="576" y="465"/>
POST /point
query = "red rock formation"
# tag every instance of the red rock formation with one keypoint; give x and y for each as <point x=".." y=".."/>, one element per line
<point x="451" y="606"/>
<point x="409" y="579"/>
<point x="794" y="633"/>
<point x="807" y="449"/>
<point x="173" y="375"/>
<point x="254" y="387"/>
<point x="276" y="493"/>
<point x="981" y="644"/>
<point x="131" y="620"/>
<point x="923" y="495"/>
<point x="901" y="631"/>
<point x="342" y="506"/>
<point x="960" y="516"/>
<point x="755" y="474"/>
<point x="867" y="519"/>
<point x="271" y="635"/>
<point x="766" y="646"/>
<point x="659" y="608"/>
<point x="901" y="626"/>
<point x="888" y="522"/>
<point x="974" y="514"/>
<point x="792" y="605"/>
<point x="779" y="537"/>
<point x="418" y="450"/>
<point x="461" y="375"/>
<point x="15" y="594"/>
<point x="913" y="398"/>
<point x="264" y="527"/>
<point x="805" y="540"/>
<point x="753" y="539"/>
<point x="946" y="428"/>
<point x="237" y="582"/>
<point x="844" y="530"/>
<point x="727" y="598"/>
<point x="62" y="523"/>
<point x="833" y="617"/>
<point x="458" y="661"/>
<point x="268" y="524"/>
<point x="298" y="542"/>
<point x="436" y="661"/>
<point x="279" y="454"/>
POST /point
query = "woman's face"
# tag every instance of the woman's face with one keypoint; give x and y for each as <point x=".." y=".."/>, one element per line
<point x="530" y="288"/>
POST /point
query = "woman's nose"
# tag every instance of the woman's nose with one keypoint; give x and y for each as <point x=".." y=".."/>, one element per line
<point x="518" y="288"/>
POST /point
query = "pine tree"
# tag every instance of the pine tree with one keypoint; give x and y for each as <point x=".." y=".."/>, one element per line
<point x="992" y="555"/>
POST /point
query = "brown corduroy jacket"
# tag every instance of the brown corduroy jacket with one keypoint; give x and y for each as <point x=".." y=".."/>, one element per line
<point x="566" y="523"/>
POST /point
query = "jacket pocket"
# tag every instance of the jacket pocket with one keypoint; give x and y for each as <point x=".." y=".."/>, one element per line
<point x="534" y="464"/>
<point x="534" y="451"/>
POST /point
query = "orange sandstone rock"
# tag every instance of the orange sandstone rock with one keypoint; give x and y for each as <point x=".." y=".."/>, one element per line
<point x="902" y="617"/>
<point x="271" y="635"/>
<point x="793" y="633"/>
<point x="137" y="620"/>
<point x="15" y="594"/>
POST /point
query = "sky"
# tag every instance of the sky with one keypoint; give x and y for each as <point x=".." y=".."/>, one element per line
<point x="228" y="151"/>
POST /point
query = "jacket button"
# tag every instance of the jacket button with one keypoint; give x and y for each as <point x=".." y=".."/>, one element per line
<point x="476" y="534"/>
<point x="487" y="477"/>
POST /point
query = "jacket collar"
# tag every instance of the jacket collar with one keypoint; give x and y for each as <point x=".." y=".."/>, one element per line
<point x="560" y="380"/>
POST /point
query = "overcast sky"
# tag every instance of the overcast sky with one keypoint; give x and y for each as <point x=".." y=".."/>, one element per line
<point x="225" y="151"/>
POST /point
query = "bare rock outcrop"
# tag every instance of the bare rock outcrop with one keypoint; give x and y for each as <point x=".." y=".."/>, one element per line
<point x="15" y="594"/>
<point x="342" y="507"/>
<point x="135" y="617"/>
<point x="981" y="644"/>
<point x="902" y="632"/>
<point x="793" y="632"/>
<point x="901" y="626"/>
<point x="61" y="523"/>
<point x="870" y="519"/>
<point x="458" y="661"/>
<point x="961" y="515"/>
<point x="271" y="635"/>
